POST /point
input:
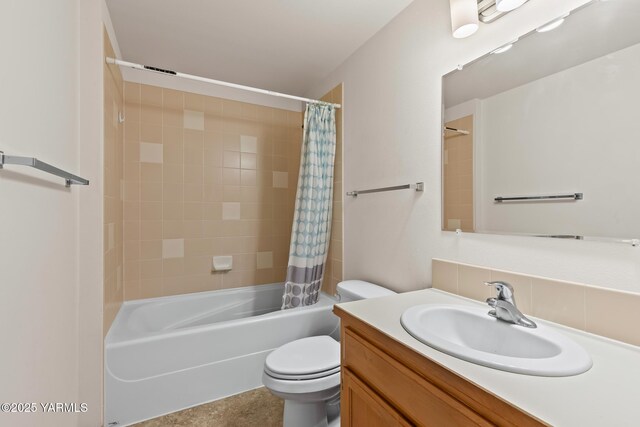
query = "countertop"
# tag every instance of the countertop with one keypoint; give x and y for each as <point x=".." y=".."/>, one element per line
<point x="606" y="395"/>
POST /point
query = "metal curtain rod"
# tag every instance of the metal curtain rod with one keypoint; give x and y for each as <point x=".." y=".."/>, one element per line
<point x="573" y="196"/>
<point x="418" y="186"/>
<point x="215" y="82"/>
<point x="46" y="167"/>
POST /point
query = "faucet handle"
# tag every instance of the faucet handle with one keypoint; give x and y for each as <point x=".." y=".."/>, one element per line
<point x="505" y="291"/>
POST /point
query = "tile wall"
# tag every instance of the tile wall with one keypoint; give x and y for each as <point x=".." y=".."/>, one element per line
<point x="458" y="177"/>
<point x="601" y="311"/>
<point x="333" y="272"/>
<point x="205" y="176"/>
<point x="113" y="175"/>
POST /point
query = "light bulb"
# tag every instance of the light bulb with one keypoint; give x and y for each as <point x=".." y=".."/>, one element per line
<point x="464" y="18"/>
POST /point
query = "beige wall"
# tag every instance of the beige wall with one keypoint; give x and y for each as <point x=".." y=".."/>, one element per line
<point x="113" y="177"/>
<point x="333" y="271"/>
<point x="205" y="176"/>
<point x="457" y="175"/>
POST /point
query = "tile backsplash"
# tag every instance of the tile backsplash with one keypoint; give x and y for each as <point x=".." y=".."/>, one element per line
<point x="205" y="176"/>
<point x="606" y="312"/>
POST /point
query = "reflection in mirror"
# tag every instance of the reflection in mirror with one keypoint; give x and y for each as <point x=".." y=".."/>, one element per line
<point x="542" y="139"/>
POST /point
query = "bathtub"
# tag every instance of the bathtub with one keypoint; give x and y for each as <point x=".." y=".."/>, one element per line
<point x="170" y="353"/>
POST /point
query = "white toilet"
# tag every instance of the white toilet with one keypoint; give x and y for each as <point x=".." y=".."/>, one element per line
<point x="306" y="372"/>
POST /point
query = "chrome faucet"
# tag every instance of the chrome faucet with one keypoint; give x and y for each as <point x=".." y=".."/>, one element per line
<point x="504" y="306"/>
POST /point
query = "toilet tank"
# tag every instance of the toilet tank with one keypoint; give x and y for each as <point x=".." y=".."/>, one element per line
<point x="354" y="290"/>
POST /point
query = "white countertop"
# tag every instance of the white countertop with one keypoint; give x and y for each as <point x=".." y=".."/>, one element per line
<point x="606" y="395"/>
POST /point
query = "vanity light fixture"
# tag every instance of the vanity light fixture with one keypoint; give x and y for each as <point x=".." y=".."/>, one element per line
<point x="503" y="49"/>
<point x="509" y="5"/>
<point x="550" y="26"/>
<point x="464" y="17"/>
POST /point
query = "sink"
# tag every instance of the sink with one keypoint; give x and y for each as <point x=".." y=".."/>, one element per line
<point x="470" y="334"/>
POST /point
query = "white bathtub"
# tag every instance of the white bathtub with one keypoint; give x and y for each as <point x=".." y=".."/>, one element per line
<point x="170" y="353"/>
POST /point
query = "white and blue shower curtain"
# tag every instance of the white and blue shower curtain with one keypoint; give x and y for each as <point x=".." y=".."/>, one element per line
<point x="311" y="231"/>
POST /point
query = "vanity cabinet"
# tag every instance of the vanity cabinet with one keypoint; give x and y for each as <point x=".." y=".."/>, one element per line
<point x="385" y="383"/>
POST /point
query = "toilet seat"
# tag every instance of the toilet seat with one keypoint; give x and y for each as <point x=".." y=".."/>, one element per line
<point x="305" y="359"/>
<point x="300" y="377"/>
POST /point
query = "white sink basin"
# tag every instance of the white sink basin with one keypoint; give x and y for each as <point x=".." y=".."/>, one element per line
<point x="472" y="335"/>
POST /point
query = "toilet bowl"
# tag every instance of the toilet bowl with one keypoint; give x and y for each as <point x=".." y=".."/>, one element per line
<point x="306" y="372"/>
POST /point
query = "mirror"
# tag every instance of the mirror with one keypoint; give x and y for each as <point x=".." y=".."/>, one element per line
<point x="544" y="138"/>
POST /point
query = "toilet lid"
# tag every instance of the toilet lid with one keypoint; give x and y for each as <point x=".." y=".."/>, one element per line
<point x="305" y="358"/>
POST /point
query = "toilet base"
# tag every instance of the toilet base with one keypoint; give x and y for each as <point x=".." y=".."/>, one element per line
<point x="310" y="414"/>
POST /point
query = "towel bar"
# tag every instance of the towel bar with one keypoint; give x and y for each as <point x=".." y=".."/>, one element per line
<point x="45" y="167"/>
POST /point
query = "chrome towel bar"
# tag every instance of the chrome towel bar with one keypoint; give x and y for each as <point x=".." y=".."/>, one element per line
<point x="69" y="178"/>
<point x="418" y="186"/>
<point x="573" y="196"/>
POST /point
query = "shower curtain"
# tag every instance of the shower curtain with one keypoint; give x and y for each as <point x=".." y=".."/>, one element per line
<point x="311" y="229"/>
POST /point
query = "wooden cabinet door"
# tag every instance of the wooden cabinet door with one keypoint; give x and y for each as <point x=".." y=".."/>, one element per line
<point x="362" y="407"/>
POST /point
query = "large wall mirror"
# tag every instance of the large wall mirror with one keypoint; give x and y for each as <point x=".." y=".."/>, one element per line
<point x="542" y="137"/>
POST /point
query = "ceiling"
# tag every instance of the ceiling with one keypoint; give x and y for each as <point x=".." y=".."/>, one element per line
<point x="593" y="31"/>
<point x="281" y="45"/>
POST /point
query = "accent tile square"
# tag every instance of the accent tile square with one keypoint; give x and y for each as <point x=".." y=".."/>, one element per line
<point x="150" y="153"/>
<point x="248" y="144"/>
<point x="231" y="210"/>
<point x="173" y="248"/>
<point x="280" y="179"/>
<point x="264" y="260"/>
<point x="193" y="120"/>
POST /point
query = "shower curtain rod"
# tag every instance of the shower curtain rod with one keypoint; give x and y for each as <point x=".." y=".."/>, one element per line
<point x="215" y="82"/>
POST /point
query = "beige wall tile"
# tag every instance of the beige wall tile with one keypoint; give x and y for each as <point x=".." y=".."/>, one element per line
<point x="150" y="95"/>
<point x="173" y="248"/>
<point x="248" y="177"/>
<point x="231" y="176"/>
<point x="248" y="144"/>
<point x="230" y="211"/>
<point x="151" y="268"/>
<point x="248" y="161"/>
<point x="150" y="210"/>
<point x="559" y="302"/>
<point x="150" y="288"/>
<point x="194" y="101"/>
<point x="613" y="314"/>
<point x="150" y="249"/>
<point x="151" y="114"/>
<point x="198" y="247"/>
<point x="150" y="230"/>
<point x="193" y="120"/>
<point x="280" y="179"/>
<point x="151" y="191"/>
<point x="172" y="267"/>
<point x="264" y="260"/>
<point x="231" y="159"/>
<point x="151" y="133"/>
<point x="172" y="229"/>
<point x="471" y="282"/>
<point x="151" y="153"/>
<point x="445" y="276"/>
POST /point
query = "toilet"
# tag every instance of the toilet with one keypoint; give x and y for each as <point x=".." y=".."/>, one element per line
<point x="306" y="372"/>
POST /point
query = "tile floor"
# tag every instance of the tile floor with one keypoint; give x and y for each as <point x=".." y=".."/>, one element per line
<point x="255" y="408"/>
